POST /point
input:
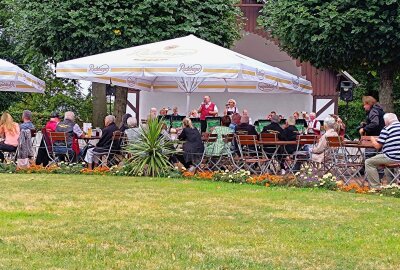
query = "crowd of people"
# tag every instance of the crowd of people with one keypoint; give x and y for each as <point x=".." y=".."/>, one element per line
<point x="377" y="123"/>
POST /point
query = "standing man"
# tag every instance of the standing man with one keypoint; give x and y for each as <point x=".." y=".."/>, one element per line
<point x="206" y="109"/>
<point x="389" y="142"/>
<point x="313" y="126"/>
<point x="374" y="122"/>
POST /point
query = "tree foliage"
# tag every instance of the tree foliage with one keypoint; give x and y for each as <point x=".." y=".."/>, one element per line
<point x="53" y="31"/>
<point x="62" y="30"/>
<point x="340" y="34"/>
<point x="60" y="96"/>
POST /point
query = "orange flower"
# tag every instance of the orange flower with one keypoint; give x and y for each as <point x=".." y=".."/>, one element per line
<point x="188" y="174"/>
<point x="205" y="175"/>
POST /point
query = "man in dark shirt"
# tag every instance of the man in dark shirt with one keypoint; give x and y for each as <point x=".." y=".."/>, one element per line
<point x="291" y="134"/>
<point x="104" y="142"/>
<point x="245" y="126"/>
<point x="275" y="127"/>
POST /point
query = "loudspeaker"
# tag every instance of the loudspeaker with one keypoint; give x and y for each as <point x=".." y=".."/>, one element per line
<point x="110" y="90"/>
<point x="346" y="91"/>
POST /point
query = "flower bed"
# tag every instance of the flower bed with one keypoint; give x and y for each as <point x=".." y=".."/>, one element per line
<point x="305" y="178"/>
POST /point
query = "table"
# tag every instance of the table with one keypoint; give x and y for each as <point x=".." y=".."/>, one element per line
<point x="88" y="139"/>
<point x="274" y="155"/>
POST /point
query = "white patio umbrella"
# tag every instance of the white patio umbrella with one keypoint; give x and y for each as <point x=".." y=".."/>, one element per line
<point x="15" y="79"/>
<point x="185" y="64"/>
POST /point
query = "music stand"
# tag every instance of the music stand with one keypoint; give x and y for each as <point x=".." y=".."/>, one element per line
<point x="213" y="122"/>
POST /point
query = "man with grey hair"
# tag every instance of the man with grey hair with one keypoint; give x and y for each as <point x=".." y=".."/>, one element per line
<point x="313" y="125"/>
<point x="72" y="130"/>
<point x="104" y="143"/>
<point x="245" y="126"/>
<point x="389" y="142"/>
<point x="70" y="127"/>
<point x="26" y="120"/>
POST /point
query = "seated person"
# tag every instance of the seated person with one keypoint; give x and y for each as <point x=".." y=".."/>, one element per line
<point x="389" y="142"/>
<point x="163" y="112"/>
<point x="317" y="152"/>
<point x="217" y="147"/>
<point x="193" y="147"/>
<point x="9" y="131"/>
<point x="245" y="126"/>
<point x="153" y="113"/>
<point x="73" y="131"/>
<point x="235" y="121"/>
<point x="42" y="157"/>
<point x="124" y="124"/>
<point x="175" y="111"/>
<point x="275" y="128"/>
<point x="132" y="132"/>
<point x="194" y="114"/>
<point x="313" y="125"/>
<point x="269" y="116"/>
<point x="104" y="143"/>
<point x="291" y="133"/>
<point x="51" y="125"/>
<point x="245" y="112"/>
<point x="26" y="120"/>
<point x="340" y="126"/>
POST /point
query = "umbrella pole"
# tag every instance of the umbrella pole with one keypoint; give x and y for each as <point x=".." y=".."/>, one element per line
<point x="187" y="104"/>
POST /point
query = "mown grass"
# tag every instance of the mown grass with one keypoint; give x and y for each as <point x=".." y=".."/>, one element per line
<point x="98" y="222"/>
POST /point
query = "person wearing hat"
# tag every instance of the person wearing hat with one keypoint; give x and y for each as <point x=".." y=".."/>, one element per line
<point x="53" y="122"/>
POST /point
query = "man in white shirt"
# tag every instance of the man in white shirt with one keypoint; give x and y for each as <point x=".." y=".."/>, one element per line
<point x="313" y="125"/>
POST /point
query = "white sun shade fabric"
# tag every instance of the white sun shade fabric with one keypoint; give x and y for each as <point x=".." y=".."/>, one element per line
<point x="183" y="64"/>
<point x="15" y="79"/>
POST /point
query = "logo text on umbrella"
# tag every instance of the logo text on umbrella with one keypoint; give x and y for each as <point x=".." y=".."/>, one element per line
<point x="190" y="69"/>
<point x="99" y="70"/>
<point x="7" y="85"/>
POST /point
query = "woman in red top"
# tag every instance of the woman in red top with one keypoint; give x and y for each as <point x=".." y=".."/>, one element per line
<point x="53" y="122"/>
<point x="9" y="131"/>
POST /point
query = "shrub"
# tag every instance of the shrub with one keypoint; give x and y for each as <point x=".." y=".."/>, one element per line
<point x="392" y="190"/>
<point x="352" y="117"/>
<point x="150" y="154"/>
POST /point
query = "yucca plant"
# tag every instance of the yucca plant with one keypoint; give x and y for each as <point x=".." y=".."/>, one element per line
<point x="150" y="154"/>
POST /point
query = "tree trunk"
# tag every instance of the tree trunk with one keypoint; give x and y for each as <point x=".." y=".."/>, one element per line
<point x="121" y="97"/>
<point x="99" y="104"/>
<point x="386" y="88"/>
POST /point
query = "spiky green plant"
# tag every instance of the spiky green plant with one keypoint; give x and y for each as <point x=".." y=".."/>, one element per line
<point x="150" y="154"/>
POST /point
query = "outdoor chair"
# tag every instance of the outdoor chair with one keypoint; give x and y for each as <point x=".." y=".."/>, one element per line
<point x="301" y="156"/>
<point x="341" y="163"/>
<point x="34" y="141"/>
<point x="112" y="155"/>
<point x="228" y="158"/>
<point x="394" y="171"/>
<point x="250" y="154"/>
<point x="59" y="147"/>
<point x="208" y="160"/>
<point x="271" y="152"/>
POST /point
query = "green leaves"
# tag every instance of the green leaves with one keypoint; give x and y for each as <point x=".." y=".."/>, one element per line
<point x="149" y="155"/>
<point x="62" y="30"/>
<point x="344" y="34"/>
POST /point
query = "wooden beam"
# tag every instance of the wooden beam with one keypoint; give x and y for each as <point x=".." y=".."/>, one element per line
<point x="326" y="106"/>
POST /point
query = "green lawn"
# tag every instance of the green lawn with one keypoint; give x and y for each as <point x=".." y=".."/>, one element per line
<point x="98" y="222"/>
